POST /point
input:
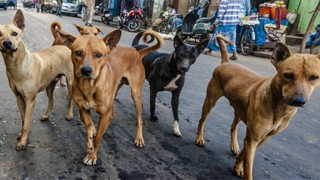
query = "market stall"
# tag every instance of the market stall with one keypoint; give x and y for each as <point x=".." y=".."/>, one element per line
<point x="273" y="23"/>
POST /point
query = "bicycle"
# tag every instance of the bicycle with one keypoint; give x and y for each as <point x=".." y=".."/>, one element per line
<point x="247" y="38"/>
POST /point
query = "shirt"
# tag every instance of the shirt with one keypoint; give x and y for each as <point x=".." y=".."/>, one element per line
<point x="245" y="8"/>
<point x="228" y="13"/>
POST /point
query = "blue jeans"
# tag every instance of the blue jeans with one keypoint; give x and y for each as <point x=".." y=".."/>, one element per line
<point x="58" y="11"/>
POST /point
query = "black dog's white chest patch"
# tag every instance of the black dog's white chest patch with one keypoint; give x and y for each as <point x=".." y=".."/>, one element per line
<point x="172" y="84"/>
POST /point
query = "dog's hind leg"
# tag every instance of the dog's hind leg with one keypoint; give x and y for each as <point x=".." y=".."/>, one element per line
<point x="213" y="94"/>
<point x="136" y="85"/>
<point x="175" y="109"/>
<point x="153" y="95"/>
<point x="69" y="115"/>
<point x="234" y="145"/>
<point x="49" y="90"/>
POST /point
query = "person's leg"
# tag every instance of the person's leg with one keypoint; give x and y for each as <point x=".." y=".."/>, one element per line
<point x="232" y="37"/>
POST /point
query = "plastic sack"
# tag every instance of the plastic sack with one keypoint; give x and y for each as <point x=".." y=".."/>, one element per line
<point x="291" y="17"/>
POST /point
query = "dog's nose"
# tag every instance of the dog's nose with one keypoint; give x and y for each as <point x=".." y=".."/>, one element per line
<point x="86" y="70"/>
<point x="298" y="101"/>
<point x="183" y="69"/>
<point x="7" y="43"/>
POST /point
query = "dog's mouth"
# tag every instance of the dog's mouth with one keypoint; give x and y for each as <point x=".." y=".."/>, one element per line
<point x="8" y="50"/>
<point x="183" y="69"/>
<point x="298" y="101"/>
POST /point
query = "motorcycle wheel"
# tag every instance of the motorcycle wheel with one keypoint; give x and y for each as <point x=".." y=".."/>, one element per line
<point x="134" y="25"/>
<point x="106" y="20"/>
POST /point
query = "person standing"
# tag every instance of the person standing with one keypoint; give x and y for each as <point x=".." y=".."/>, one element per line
<point x="227" y="21"/>
<point x="59" y="7"/>
<point x="245" y="8"/>
<point x="89" y="5"/>
<point x="203" y="5"/>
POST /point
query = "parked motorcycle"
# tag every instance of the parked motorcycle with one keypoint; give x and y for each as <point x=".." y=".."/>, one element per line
<point x="132" y="20"/>
<point x="98" y="10"/>
<point x="106" y="17"/>
<point x="195" y="28"/>
<point x="166" y="23"/>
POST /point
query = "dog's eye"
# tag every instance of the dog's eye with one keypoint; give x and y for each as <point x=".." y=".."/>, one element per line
<point x="78" y="53"/>
<point x="14" y="33"/>
<point x="98" y="55"/>
<point x="313" y="78"/>
<point x="289" y="76"/>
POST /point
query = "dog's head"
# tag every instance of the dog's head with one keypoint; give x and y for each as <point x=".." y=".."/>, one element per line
<point x="89" y="53"/>
<point x="10" y="34"/>
<point x="85" y="30"/>
<point x="297" y="74"/>
<point x="185" y="55"/>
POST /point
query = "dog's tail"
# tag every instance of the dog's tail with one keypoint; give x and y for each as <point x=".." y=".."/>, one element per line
<point x="54" y="26"/>
<point x="223" y="48"/>
<point x="145" y="38"/>
<point x="145" y="35"/>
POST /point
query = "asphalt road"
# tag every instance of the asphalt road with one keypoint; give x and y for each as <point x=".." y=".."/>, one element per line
<point x="56" y="147"/>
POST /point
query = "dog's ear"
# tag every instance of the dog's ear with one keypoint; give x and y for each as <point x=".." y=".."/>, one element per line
<point x="18" y="20"/>
<point x="79" y="28"/>
<point x="177" y="42"/>
<point x="113" y="38"/>
<point x="202" y="45"/>
<point x="68" y="39"/>
<point x="280" y="53"/>
<point x="99" y="30"/>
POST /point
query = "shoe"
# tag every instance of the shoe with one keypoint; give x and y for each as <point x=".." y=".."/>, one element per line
<point x="233" y="57"/>
<point x="89" y="24"/>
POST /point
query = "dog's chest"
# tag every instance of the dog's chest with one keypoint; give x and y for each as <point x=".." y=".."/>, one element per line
<point x="172" y="84"/>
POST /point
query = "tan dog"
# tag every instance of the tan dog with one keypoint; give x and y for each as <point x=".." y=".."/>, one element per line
<point x="99" y="68"/>
<point x="83" y="30"/>
<point x="265" y="105"/>
<point x="31" y="72"/>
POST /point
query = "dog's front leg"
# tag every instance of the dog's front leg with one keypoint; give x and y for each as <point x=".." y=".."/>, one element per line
<point x="104" y="122"/>
<point x="175" y="111"/>
<point x="250" y="147"/>
<point x="91" y="130"/>
<point x="153" y="95"/>
<point x="26" y="123"/>
<point x="22" y="108"/>
<point x="137" y="98"/>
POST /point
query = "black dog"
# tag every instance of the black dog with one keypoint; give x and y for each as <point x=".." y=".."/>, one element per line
<point x="166" y="72"/>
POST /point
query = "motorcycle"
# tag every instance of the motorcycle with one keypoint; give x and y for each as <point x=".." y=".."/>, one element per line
<point x="166" y="23"/>
<point x="106" y="17"/>
<point x="98" y="10"/>
<point x="132" y="20"/>
<point x="195" y="28"/>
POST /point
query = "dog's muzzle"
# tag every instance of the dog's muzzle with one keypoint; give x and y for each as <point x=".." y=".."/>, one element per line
<point x="298" y="101"/>
<point x="86" y="71"/>
<point x="7" y="46"/>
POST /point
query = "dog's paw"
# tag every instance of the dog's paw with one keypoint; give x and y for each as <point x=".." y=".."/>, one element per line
<point x="139" y="142"/>
<point x="176" y="130"/>
<point x="200" y="142"/>
<point x="69" y="117"/>
<point x="90" y="159"/>
<point x="21" y="146"/>
<point x="235" y="149"/>
<point x="238" y="170"/>
<point x="44" y="118"/>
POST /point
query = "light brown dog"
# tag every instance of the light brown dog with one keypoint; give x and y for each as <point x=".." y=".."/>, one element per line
<point x="265" y="105"/>
<point x="83" y="30"/>
<point x="31" y="72"/>
<point x="99" y="68"/>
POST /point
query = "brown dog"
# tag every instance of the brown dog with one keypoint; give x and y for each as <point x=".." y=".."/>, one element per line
<point x="265" y="105"/>
<point x="83" y="30"/>
<point x="31" y="72"/>
<point x="99" y="68"/>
